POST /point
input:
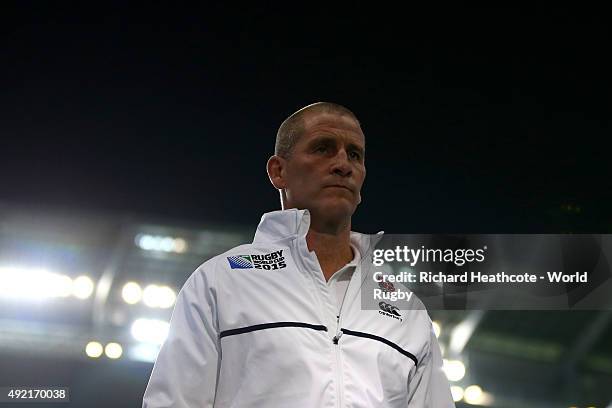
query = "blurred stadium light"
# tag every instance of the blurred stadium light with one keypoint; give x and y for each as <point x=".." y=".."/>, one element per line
<point x="82" y="287"/>
<point x="113" y="350"/>
<point x="150" y="330"/>
<point x="462" y="332"/>
<point x="457" y="393"/>
<point x="20" y="283"/>
<point x="161" y="243"/>
<point x="131" y="293"/>
<point x="71" y="284"/>
<point x="94" y="349"/>
<point x="454" y="369"/>
<point x="144" y="352"/>
<point x="124" y="301"/>
<point x="474" y="395"/>
<point x="161" y="297"/>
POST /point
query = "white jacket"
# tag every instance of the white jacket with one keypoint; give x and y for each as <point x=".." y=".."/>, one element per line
<point x="257" y="327"/>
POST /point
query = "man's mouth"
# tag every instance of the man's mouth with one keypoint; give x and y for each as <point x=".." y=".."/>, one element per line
<point x="340" y="186"/>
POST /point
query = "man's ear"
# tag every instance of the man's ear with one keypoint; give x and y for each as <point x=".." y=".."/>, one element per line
<point x="276" y="167"/>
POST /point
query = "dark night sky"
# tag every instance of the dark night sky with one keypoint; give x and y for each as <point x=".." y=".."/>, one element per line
<point x="479" y="120"/>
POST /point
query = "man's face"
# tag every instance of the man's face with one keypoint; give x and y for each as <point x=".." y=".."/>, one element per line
<point x="326" y="168"/>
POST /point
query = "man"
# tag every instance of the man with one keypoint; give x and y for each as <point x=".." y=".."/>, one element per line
<point x="278" y="323"/>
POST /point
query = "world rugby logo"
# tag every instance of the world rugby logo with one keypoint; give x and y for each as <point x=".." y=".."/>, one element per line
<point x="240" y="262"/>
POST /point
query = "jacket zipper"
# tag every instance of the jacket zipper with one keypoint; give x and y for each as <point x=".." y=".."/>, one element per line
<point x="339" y="371"/>
<point x="336" y="341"/>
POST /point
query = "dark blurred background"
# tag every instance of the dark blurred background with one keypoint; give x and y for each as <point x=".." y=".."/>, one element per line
<point x="133" y="142"/>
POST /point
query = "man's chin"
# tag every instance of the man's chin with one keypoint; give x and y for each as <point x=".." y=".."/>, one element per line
<point x="336" y="211"/>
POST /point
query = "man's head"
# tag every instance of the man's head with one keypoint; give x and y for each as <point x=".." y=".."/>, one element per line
<point x="319" y="161"/>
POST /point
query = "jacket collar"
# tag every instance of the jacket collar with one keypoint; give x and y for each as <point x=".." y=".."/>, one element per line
<point x="293" y="223"/>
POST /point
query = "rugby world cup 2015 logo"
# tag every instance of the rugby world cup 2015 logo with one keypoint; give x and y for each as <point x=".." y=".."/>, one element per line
<point x="270" y="261"/>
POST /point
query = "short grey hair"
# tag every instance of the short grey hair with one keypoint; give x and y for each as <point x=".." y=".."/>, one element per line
<point x="292" y="128"/>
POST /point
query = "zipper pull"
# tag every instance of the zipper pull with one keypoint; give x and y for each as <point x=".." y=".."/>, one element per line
<point x="339" y="334"/>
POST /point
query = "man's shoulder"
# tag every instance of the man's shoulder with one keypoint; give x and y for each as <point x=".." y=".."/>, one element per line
<point x="211" y="263"/>
<point x="238" y="256"/>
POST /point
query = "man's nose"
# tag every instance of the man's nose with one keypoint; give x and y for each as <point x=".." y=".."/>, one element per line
<point x="341" y="165"/>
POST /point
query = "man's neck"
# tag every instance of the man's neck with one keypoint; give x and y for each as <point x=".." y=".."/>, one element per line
<point x="331" y="244"/>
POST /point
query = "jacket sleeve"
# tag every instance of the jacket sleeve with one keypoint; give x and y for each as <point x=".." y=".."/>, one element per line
<point x="429" y="387"/>
<point x="185" y="373"/>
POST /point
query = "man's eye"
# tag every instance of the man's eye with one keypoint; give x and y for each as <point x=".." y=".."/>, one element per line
<point x="321" y="149"/>
<point x="355" y="155"/>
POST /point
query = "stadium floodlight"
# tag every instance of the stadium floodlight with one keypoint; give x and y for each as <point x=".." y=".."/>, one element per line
<point x="33" y="284"/>
<point x="131" y="293"/>
<point x="462" y="332"/>
<point x="144" y="352"/>
<point x="149" y="295"/>
<point x="161" y="243"/>
<point x="158" y="296"/>
<point x="166" y="244"/>
<point x="113" y="350"/>
<point x="59" y="285"/>
<point x="180" y="245"/>
<point x="146" y="242"/>
<point x="473" y="395"/>
<point x="454" y="369"/>
<point x="150" y="330"/>
<point x="457" y="393"/>
<point x="94" y="349"/>
<point x="166" y="297"/>
<point x="82" y="287"/>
